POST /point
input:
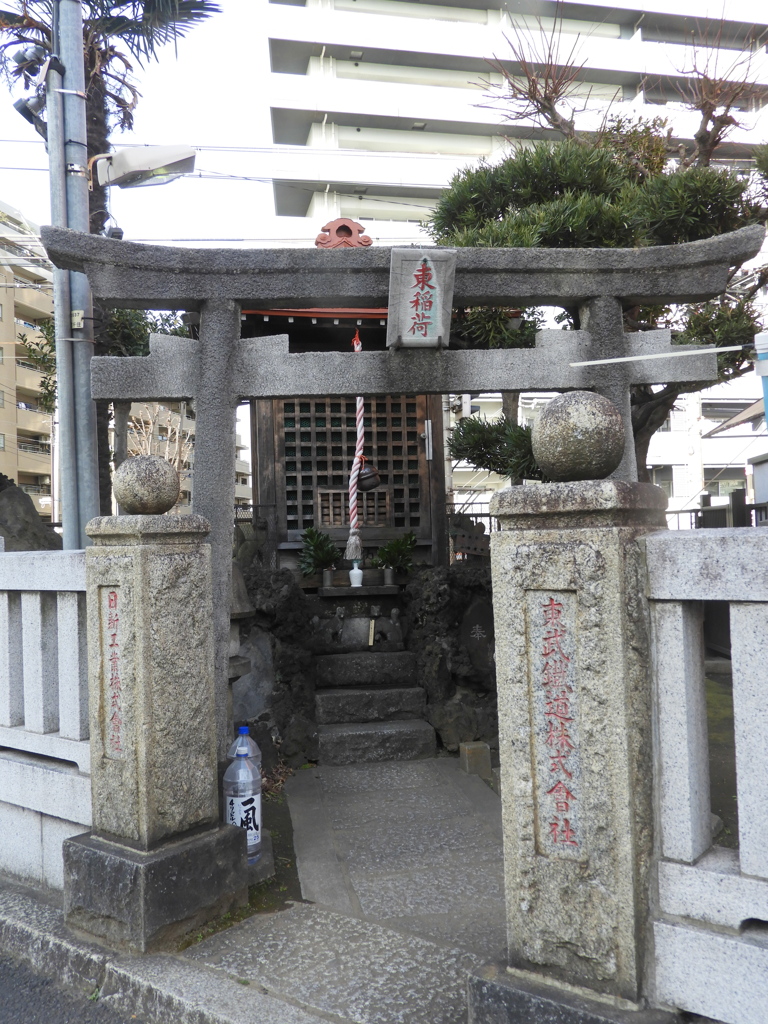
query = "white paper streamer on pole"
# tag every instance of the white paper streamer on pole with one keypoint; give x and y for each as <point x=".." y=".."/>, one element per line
<point x="663" y="355"/>
<point x="354" y="549"/>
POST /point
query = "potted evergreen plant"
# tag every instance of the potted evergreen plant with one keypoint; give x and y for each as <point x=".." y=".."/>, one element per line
<point x="318" y="555"/>
<point x="396" y="556"/>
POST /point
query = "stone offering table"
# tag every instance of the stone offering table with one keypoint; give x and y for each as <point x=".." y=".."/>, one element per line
<point x="157" y="864"/>
<point x="576" y="752"/>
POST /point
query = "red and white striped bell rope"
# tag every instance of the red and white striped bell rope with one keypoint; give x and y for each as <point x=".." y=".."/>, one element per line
<point x="354" y="549"/>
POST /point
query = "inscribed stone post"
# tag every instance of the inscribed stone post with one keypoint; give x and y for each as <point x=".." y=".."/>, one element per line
<point x="574" y="692"/>
<point x="157" y="862"/>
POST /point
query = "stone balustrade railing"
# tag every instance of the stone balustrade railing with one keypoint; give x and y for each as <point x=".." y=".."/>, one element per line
<point x="712" y="921"/>
<point x="43" y="670"/>
<point x="45" y="787"/>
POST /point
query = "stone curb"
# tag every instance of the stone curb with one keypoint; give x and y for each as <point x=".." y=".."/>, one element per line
<point x="162" y="987"/>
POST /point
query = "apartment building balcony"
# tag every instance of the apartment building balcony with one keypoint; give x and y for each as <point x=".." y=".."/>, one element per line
<point x="330" y="152"/>
<point x="27" y="376"/>
<point x="33" y="457"/>
<point x="32" y="304"/>
<point x="397" y="107"/>
<point x="30" y="417"/>
<point x="610" y="53"/>
<point x="384" y="117"/>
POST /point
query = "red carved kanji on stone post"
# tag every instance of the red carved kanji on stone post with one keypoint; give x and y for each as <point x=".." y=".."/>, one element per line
<point x="558" y="715"/>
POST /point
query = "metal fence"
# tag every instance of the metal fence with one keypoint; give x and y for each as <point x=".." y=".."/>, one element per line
<point x="736" y="513"/>
<point x="470" y="525"/>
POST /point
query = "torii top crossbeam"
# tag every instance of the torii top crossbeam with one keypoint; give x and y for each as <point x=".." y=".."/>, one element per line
<point x="134" y="276"/>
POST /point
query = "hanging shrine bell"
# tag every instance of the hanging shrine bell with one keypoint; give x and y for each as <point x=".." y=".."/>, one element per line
<point x="369" y="477"/>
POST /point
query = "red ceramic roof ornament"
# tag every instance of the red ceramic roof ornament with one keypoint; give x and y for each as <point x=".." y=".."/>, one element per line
<point x="342" y="233"/>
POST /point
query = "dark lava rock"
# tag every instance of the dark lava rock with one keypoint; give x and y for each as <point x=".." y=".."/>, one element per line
<point x="20" y="524"/>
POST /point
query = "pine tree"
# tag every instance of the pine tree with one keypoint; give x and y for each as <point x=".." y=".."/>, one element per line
<point x="616" y="189"/>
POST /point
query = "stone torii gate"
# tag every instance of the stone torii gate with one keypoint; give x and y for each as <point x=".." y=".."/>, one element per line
<point x="220" y="368"/>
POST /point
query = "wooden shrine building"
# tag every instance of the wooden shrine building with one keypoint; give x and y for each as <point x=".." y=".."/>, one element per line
<point x="303" y="447"/>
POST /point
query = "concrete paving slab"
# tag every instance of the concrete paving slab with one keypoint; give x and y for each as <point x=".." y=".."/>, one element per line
<point x="379" y="778"/>
<point x="322" y="872"/>
<point x="359" y="810"/>
<point x="483" y="798"/>
<point x="424" y="844"/>
<point x="344" y="967"/>
<point x="456" y="886"/>
<point x="415" y="844"/>
<point x="484" y="936"/>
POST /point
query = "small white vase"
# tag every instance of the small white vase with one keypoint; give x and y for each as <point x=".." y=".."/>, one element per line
<point x="355" y="575"/>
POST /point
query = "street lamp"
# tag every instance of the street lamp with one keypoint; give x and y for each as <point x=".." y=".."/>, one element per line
<point x="147" y="165"/>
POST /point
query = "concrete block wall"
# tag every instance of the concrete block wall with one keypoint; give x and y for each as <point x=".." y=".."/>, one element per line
<point x="711" y="953"/>
<point x="45" y="786"/>
<point x="31" y="846"/>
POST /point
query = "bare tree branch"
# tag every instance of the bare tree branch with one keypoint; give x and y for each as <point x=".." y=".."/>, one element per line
<point x="716" y="81"/>
<point x="547" y="78"/>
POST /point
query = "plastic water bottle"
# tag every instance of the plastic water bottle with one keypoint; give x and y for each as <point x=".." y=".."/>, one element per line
<point x="243" y="742"/>
<point x="242" y="800"/>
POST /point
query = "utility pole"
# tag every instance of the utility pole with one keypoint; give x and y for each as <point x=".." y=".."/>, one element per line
<point x="68" y="160"/>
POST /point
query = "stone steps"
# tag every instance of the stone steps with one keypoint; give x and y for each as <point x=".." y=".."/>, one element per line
<point x="350" y="704"/>
<point x="365" y="668"/>
<point x="355" y="742"/>
<point x="369" y="708"/>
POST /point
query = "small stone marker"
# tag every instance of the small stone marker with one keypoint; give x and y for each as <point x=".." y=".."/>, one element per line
<point x="476" y="635"/>
<point x="475" y="759"/>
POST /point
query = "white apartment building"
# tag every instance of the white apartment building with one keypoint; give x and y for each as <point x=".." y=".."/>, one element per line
<point x="686" y="462"/>
<point x="374" y="104"/>
<point x="683" y="460"/>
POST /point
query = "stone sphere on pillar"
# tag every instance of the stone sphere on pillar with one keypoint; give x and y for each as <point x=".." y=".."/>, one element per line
<point x="146" y="485"/>
<point x="578" y="436"/>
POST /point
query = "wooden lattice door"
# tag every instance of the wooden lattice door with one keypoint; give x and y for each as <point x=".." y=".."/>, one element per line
<point x="314" y="448"/>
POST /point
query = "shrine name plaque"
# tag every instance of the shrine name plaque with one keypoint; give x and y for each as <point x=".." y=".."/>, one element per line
<point x="554" y="710"/>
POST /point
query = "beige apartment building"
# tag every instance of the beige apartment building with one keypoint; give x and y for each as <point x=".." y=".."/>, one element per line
<point x="26" y="300"/>
<point x="168" y="430"/>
